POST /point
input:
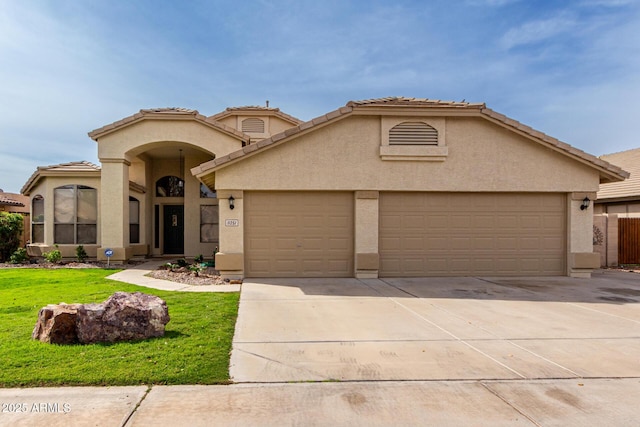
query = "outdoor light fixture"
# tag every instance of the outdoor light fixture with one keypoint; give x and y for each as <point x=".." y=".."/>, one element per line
<point x="585" y="204"/>
<point x="231" y="199"/>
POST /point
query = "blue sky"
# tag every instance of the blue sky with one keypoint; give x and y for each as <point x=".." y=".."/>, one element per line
<point x="570" y="69"/>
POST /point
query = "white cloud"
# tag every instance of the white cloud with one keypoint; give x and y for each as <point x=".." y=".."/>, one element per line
<point x="538" y="31"/>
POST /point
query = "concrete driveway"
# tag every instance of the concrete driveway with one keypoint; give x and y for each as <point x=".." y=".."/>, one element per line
<point x="438" y="329"/>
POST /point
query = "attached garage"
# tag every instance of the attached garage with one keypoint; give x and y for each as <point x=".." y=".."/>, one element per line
<point x="299" y="234"/>
<point x="459" y="234"/>
<point x="402" y="187"/>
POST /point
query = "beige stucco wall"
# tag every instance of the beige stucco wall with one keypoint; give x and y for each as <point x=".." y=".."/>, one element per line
<point x="345" y="156"/>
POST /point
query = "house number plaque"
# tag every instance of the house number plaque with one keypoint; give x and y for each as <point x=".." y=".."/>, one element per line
<point x="231" y="223"/>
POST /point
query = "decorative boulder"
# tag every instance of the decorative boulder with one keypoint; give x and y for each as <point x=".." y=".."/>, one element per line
<point x="57" y="324"/>
<point x="122" y="317"/>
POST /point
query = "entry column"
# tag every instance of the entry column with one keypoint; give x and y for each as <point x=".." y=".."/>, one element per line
<point x="230" y="259"/>
<point x="367" y="258"/>
<point x="114" y="209"/>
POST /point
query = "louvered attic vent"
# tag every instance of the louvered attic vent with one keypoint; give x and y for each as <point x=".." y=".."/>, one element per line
<point x="413" y="133"/>
<point x="253" y="125"/>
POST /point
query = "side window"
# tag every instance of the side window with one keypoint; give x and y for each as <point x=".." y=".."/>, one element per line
<point x="208" y="224"/>
<point x="134" y="220"/>
<point x="37" y="219"/>
<point x="75" y="214"/>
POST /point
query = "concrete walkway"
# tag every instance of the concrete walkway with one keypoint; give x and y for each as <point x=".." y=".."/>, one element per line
<point x="566" y="403"/>
<point x="138" y="276"/>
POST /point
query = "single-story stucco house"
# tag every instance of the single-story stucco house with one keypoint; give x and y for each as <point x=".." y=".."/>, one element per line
<point x="377" y="188"/>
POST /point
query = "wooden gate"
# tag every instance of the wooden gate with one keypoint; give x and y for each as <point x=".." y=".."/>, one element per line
<point x="628" y="240"/>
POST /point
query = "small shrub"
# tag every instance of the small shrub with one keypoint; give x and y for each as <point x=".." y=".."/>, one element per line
<point x="182" y="262"/>
<point x="197" y="269"/>
<point x="19" y="256"/>
<point x="81" y="254"/>
<point x="53" y="256"/>
<point x="169" y="266"/>
<point x="10" y="229"/>
<point x="199" y="258"/>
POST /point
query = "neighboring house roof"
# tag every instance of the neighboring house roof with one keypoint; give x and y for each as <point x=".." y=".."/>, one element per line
<point x="255" y="110"/>
<point x="398" y="105"/>
<point x="630" y="188"/>
<point x="9" y="200"/>
<point x="82" y="168"/>
<point x="166" y="114"/>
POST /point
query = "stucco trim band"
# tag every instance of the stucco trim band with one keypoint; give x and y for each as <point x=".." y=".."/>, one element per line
<point x="229" y="262"/>
<point x="367" y="261"/>
<point x="584" y="260"/>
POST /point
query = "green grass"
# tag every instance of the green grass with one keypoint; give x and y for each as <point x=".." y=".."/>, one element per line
<point x="194" y="350"/>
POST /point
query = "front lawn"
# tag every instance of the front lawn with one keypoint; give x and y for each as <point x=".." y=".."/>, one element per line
<point x="194" y="350"/>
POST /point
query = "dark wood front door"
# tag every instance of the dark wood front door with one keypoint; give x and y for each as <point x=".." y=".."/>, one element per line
<point x="173" y="229"/>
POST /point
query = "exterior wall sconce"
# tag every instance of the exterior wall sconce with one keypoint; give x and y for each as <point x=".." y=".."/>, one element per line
<point x="231" y="205"/>
<point x="585" y="204"/>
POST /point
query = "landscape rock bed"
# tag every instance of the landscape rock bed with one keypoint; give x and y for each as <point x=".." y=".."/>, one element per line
<point x="209" y="276"/>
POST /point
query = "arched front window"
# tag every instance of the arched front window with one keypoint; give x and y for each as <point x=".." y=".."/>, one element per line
<point x="134" y="220"/>
<point x="75" y="214"/>
<point x="37" y="219"/>
<point x="170" y="186"/>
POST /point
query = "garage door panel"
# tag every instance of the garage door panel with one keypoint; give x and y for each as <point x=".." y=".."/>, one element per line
<point x="472" y="233"/>
<point x="299" y="234"/>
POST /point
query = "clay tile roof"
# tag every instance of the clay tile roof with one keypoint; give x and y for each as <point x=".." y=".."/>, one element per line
<point x="165" y="113"/>
<point x="630" y="188"/>
<point x="255" y="109"/>
<point x="252" y="107"/>
<point x="409" y="102"/>
<point x="8" y="201"/>
<point x="62" y="168"/>
<point x="82" y="165"/>
<point x="172" y="110"/>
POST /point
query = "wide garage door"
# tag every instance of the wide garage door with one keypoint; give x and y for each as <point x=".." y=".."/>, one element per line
<point x="458" y="234"/>
<point x="298" y="234"/>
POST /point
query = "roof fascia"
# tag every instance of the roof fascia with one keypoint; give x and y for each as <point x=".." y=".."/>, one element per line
<point x="617" y="199"/>
<point x="252" y="113"/>
<point x="39" y="174"/>
<point x="164" y="116"/>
